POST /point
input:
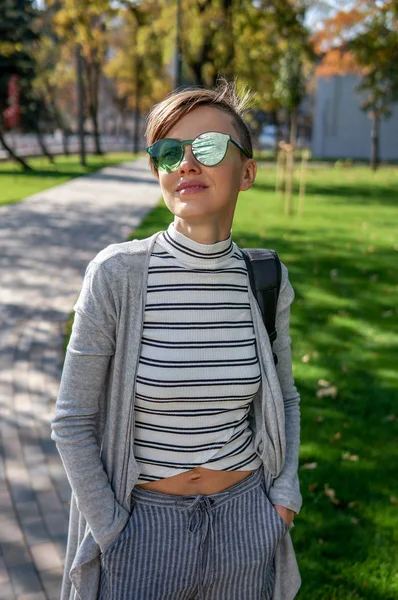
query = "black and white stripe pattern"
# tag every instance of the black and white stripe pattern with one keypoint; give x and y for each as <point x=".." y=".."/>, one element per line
<point x="198" y="369"/>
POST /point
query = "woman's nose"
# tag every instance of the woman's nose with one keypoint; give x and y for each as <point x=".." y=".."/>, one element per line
<point x="189" y="162"/>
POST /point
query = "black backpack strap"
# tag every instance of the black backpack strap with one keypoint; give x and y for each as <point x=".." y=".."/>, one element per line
<point x="264" y="270"/>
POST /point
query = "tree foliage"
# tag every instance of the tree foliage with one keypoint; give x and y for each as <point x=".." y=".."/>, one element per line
<point x="136" y="61"/>
<point x="129" y="47"/>
<point x="17" y="65"/>
<point x="83" y="24"/>
<point x="17" y="35"/>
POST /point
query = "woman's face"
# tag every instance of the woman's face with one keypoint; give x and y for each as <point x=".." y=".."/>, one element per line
<point x="215" y="202"/>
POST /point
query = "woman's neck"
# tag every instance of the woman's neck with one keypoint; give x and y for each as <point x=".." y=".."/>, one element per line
<point x="203" y="233"/>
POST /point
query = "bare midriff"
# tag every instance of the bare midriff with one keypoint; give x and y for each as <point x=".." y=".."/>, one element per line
<point x="197" y="481"/>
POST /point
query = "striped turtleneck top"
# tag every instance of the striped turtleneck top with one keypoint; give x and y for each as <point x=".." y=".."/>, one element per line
<point x="198" y="368"/>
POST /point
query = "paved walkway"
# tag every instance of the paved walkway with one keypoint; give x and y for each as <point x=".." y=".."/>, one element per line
<point x="45" y="244"/>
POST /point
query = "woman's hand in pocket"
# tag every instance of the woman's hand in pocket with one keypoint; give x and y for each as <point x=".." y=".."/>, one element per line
<point x="285" y="513"/>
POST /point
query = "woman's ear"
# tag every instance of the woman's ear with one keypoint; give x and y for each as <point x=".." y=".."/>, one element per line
<point x="249" y="171"/>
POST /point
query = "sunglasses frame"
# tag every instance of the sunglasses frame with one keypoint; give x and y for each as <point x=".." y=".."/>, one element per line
<point x="185" y="143"/>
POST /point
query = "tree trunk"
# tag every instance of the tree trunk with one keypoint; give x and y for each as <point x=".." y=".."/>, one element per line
<point x="93" y="74"/>
<point x="137" y="105"/>
<point x="14" y="156"/>
<point x="65" y="141"/>
<point x="374" y="155"/>
<point x="80" y="104"/>
<point x="97" y="135"/>
<point x="178" y="48"/>
<point x="278" y="135"/>
<point x="290" y="162"/>
<point x="293" y="127"/>
<point x="61" y="124"/>
<point x="43" y="147"/>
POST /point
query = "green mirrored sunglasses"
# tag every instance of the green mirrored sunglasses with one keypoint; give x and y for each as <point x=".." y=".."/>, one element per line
<point x="208" y="148"/>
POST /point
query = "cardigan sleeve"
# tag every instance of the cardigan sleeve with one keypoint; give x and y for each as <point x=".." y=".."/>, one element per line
<point x="285" y="489"/>
<point x="75" y="424"/>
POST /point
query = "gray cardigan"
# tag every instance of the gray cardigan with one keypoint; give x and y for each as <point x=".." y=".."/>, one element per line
<point x="94" y="418"/>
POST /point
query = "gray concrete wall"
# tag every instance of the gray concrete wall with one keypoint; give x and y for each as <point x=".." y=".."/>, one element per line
<point x="341" y="129"/>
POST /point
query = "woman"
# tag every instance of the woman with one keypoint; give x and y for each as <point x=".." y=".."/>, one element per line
<point x="179" y="436"/>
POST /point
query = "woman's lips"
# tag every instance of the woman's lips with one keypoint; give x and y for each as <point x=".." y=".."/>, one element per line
<point x="192" y="190"/>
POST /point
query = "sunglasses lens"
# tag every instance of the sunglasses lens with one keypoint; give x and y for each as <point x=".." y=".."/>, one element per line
<point x="210" y="148"/>
<point x="166" y="155"/>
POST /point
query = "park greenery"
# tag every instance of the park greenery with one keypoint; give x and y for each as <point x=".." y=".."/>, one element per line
<point x="128" y="48"/>
<point x="342" y="261"/>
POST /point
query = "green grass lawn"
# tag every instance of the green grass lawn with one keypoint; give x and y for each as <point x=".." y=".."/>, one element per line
<point x="342" y="256"/>
<point x="15" y="185"/>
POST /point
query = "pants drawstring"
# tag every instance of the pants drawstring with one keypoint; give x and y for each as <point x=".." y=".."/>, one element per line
<point x="201" y="514"/>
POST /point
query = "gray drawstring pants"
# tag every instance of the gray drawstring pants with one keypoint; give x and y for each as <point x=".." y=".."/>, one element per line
<point x="207" y="547"/>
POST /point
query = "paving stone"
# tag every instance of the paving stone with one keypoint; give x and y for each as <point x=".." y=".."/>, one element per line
<point x="13" y="450"/>
<point x="34" y="456"/>
<point x="7" y="591"/>
<point x="35" y="531"/>
<point x="27" y="510"/>
<point x="52" y="583"/>
<point x="8" y="428"/>
<point x="10" y="531"/>
<point x="61" y="541"/>
<point x="57" y="523"/>
<point x="2" y="469"/>
<point x="15" y="553"/>
<point x="25" y="579"/>
<point x="7" y="514"/>
<point x="64" y="491"/>
<point x="5" y="498"/>
<point x="23" y="492"/>
<point x="49" y="447"/>
<point x="42" y="483"/>
<point x="45" y="556"/>
<point x="4" y="576"/>
<point x="49" y="501"/>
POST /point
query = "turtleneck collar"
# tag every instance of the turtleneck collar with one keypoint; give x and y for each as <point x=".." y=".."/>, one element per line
<point x="204" y="256"/>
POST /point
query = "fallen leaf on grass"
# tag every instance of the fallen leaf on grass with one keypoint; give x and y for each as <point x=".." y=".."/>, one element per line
<point x="312" y="487"/>
<point x="319" y="419"/>
<point x="394" y="501"/>
<point x="334" y="273"/>
<point x="354" y="520"/>
<point x="323" y="383"/>
<point x="351" y="457"/>
<point x="329" y="392"/>
<point x="312" y="465"/>
<point x="331" y="494"/>
<point x="337" y="436"/>
<point x="352" y="504"/>
<point x="390" y="418"/>
<point x="305" y="358"/>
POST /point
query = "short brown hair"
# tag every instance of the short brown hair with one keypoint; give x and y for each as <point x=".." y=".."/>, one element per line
<point x="178" y="103"/>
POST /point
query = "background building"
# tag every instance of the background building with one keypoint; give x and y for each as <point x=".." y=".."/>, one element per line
<point x="341" y="129"/>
